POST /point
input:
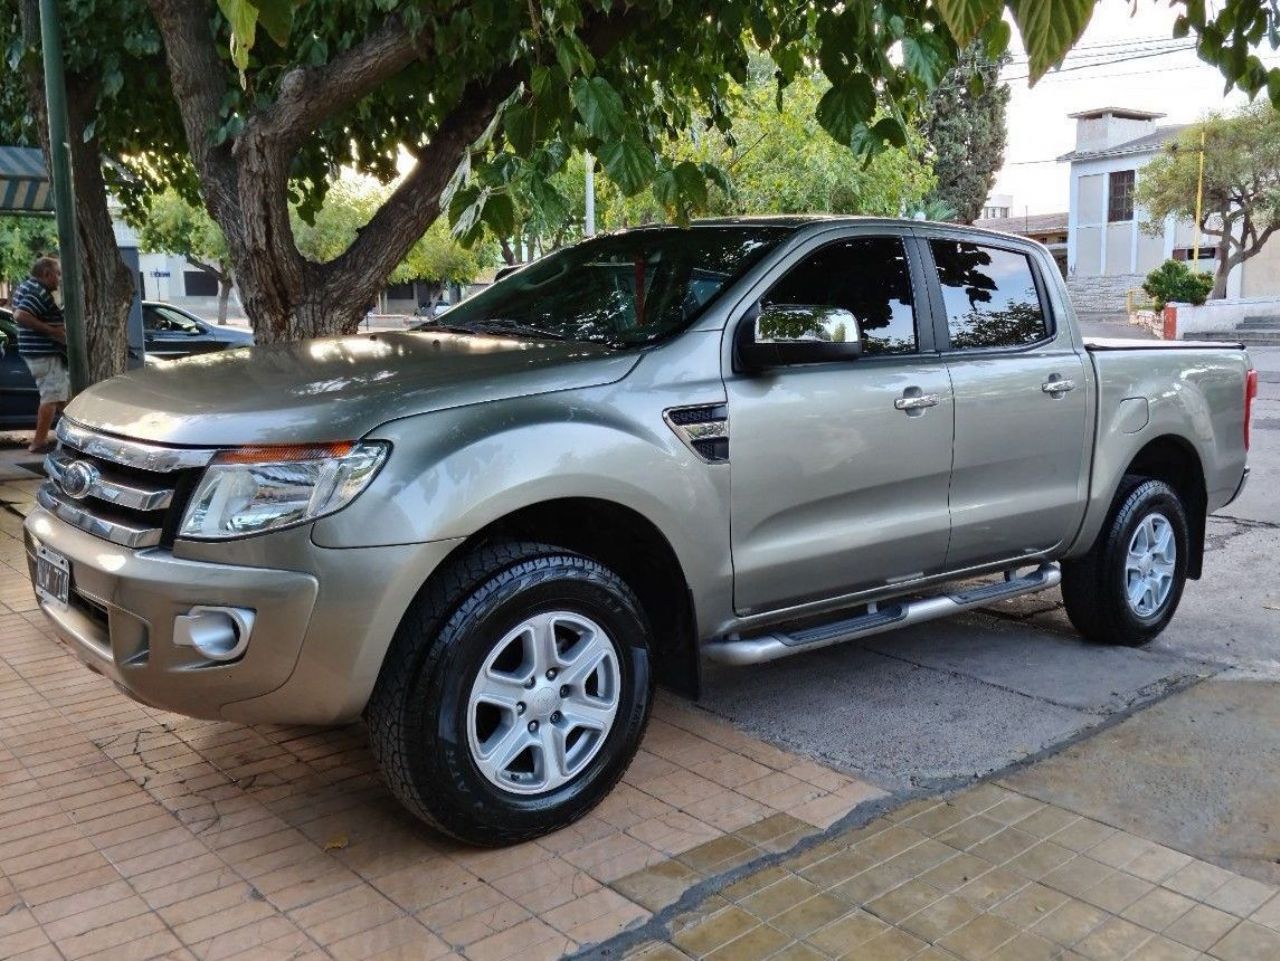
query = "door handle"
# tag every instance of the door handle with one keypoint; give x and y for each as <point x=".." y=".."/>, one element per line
<point x="1057" y="386"/>
<point x="918" y="402"/>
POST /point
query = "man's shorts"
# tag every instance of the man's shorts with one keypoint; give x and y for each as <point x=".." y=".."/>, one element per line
<point x="52" y="378"/>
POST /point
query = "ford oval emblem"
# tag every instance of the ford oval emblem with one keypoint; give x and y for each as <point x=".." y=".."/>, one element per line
<point x="79" y="479"/>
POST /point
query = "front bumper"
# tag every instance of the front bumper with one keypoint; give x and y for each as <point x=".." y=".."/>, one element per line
<point x="320" y="632"/>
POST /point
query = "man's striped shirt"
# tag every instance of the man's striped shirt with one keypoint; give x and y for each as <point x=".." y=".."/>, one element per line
<point x="35" y="298"/>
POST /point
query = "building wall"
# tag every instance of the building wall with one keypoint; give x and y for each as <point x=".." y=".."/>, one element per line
<point x="1123" y="250"/>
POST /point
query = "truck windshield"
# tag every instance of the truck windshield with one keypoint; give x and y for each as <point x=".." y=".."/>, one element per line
<point x="626" y="289"/>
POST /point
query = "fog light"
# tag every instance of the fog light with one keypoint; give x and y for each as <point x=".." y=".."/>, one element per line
<point x="219" y="633"/>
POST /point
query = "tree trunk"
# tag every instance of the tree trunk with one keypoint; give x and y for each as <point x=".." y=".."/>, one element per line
<point x="224" y="295"/>
<point x="245" y="182"/>
<point x="1222" y="268"/>
<point x="106" y="280"/>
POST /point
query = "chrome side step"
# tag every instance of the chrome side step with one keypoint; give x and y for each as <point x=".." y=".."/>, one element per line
<point x="770" y="646"/>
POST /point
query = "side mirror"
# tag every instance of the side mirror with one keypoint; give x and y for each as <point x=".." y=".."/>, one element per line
<point x="780" y="335"/>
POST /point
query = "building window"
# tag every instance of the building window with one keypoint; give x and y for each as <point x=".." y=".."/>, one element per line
<point x="1120" y="196"/>
<point x="197" y="283"/>
<point x="990" y="212"/>
<point x="1207" y="252"/>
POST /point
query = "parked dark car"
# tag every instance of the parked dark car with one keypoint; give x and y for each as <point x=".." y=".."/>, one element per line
<point x="168" y="332"/>
<point x="171" y="332"/>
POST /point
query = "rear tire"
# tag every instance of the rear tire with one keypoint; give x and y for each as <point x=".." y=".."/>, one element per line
<point x="514" y="695"/>
<point x="1127" y="588"/>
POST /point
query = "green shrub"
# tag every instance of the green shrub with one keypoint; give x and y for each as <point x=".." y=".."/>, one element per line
<point x="1174" y="282"/>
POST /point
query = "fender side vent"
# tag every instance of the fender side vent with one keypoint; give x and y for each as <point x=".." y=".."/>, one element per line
<point x="703" y="429"/>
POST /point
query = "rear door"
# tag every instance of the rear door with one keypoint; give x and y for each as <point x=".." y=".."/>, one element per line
<point x="1021" y="400"/>
<point x="835" y="488"/>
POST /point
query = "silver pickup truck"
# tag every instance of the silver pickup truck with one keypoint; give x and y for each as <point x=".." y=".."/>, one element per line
<point x="492" y="535"/>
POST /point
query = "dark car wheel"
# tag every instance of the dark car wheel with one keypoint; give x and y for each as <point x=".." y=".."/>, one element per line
<point x="514" y="695"/>
<point x="1127" y="588"/>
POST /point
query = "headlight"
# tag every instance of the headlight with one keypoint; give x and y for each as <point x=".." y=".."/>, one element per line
<point x="260" y="488"/>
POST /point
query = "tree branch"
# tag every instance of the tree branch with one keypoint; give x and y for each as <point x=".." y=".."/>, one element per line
<point x="198" y="77"/>
<point x="415" y="204"/>
<point x="207" y="268"/>
<point x="307" y="95"/>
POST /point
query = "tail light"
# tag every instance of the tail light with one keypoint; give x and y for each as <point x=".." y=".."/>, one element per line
<point x="1250" y="392"/>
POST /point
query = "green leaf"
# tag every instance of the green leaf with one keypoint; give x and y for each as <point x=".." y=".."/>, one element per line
<point x="540" y="81"/>
<point x="845" y="105"/>
<point x="573" y="55"/>
<point x="600" y="107"/>
<point x="500" y="214"/>
<point x="682" y="190"/>
<point x="719" y="177"/>
<point x="926" y="55"/>
<point x="964" y="18"/>
<point x="276" y="17"/>
<point x="629" y="163"/>
<point x="996" y="39"/>
<point x="518" y="124"/>
<point x="1050" y="29"/>
<point x="465" y="210"/>
<point x="891" y="131"/>
<point x="243" y="17"/>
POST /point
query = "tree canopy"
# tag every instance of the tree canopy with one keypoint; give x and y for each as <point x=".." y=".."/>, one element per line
<point x="264" y="101"/>
<point x="22" y="240"/>
<point x="1241" y="207"/>
<point x="964" y="126"/>
<point x="171" y="224"/>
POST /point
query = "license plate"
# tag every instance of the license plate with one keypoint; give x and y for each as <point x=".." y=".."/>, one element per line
<point x="53" y="576"/>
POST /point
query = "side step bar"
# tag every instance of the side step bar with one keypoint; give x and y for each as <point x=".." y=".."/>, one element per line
<point x="758" y="649"/>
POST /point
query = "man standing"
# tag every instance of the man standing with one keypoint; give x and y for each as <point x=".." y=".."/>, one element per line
<point x="42" y="343"/>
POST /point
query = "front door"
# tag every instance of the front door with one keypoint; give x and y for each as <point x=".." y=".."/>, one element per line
<point x="1021" y="445"/>
<point x="840" y="470"/>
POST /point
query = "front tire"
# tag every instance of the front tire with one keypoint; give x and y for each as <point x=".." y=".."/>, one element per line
<point x="514" y="695"/>
<point x="1127" y="588"/>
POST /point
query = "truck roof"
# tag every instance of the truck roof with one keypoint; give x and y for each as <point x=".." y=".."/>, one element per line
<point x="799" y="221"/>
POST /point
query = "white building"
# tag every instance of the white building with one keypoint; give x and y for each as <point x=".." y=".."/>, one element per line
<point x="1108" y="252"/>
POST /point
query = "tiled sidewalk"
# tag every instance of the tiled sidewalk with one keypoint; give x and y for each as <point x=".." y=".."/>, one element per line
<point x="127" y="833"/>
<point x="990" y="875"/>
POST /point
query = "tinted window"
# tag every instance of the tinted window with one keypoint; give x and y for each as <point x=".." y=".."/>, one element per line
<point x="990" y="295"/>
<point x="628" y="288"/>
<point x="867" y="276"/>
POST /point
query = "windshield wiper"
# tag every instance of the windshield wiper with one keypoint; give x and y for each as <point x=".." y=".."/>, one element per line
<point x="431" y="325"/>
<point x="500" y="326"/>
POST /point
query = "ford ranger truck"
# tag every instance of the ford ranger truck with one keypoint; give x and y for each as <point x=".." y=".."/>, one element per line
<point x="491" y="535"/>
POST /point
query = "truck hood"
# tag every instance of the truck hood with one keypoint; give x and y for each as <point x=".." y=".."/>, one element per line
<point x="333" y="389"/>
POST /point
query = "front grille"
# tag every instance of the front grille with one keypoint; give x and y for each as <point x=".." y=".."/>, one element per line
<point x="124" y="491"/>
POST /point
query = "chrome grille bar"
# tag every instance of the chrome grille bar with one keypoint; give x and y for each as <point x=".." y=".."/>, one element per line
<point x="132" y="453"/>
<point x="117" y="532"/>
<point x="132" y="496"/>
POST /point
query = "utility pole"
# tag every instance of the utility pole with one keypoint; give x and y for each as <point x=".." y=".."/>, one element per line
<point x="589" y="226"/>
<point x="64" y="200"/>
<point x="1195" y="253"/>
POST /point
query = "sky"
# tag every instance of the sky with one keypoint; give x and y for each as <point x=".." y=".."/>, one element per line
<point x="1175" y="83"/>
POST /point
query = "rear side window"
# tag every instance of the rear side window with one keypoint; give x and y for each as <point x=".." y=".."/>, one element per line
<point x="867" y="276"/>
<point x="990" y="295"/>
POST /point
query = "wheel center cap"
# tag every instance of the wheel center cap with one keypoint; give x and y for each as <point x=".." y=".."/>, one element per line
<point x="544" y="701"/>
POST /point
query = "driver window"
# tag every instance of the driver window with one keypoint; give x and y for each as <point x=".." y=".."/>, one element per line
<point x="867" y="276"/>
<point x="175" y="321"/>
